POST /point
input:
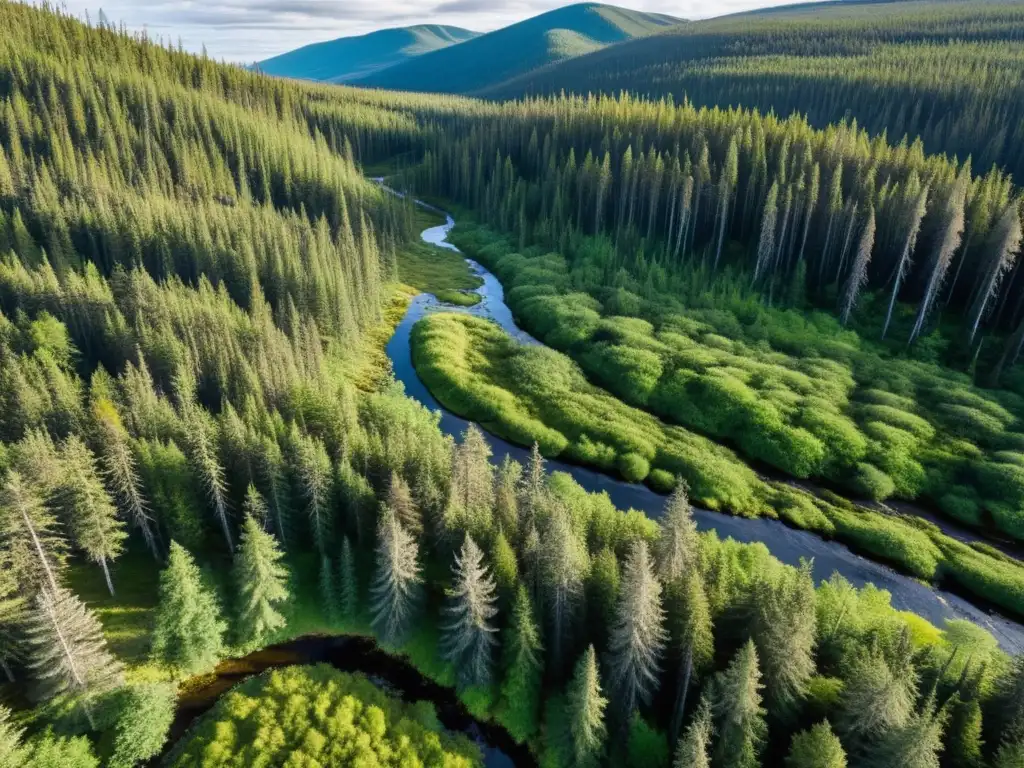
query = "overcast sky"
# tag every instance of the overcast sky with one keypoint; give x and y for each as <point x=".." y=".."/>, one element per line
<point x="251" y="30"/>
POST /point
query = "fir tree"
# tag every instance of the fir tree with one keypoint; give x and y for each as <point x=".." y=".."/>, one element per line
<point x="348" y="592"/>
<point x="90" y="514"/>
<point x="188" y="632"/>
<point x="817" y="747"/>
<point x="562" y="564"/>
<point x="34" y="546"/>
<point x="637" y="636"/>
<point x="523" y="671"/>
<point x="783" y="626"/>
<point x="914" y="744"/>
<point x="677" y="547"/>
<point x="694" y="749"/>
<point x="468" y="638"/>
<point x="690" y="631"/>
<point x="67" y="652"/>
<point x="737" y="712"/>
<point x="877" y="698"/>
<point x="400" y="501"/>
<point x="260" y="583"/>
<point x="313" y="476"/>
<point x="586" y="706"/>
<point x="394" y="594"/>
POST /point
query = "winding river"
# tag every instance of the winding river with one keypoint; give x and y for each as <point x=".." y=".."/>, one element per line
<point x="787" y="544"/>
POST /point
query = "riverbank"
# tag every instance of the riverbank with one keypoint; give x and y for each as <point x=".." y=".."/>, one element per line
<point x="966" y="570"/>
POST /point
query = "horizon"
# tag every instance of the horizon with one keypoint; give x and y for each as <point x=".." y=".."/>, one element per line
<point x="248" y="31"/>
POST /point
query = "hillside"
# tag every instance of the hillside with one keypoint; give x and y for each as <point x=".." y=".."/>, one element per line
<point x="951" y="73"/>
<point x="349" y="58"/>
<point x="490" y="59"/>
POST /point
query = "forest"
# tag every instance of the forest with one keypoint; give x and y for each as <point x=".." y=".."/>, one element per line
<point x="948" y="72"/>
<point x="203" y="451"/>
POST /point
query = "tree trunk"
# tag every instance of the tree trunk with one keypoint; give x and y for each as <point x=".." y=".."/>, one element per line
<point x="685" y="674"/>
<point x="106" y="575"/>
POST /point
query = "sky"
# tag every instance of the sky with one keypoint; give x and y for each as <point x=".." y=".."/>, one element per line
<point x="251" y="30"/>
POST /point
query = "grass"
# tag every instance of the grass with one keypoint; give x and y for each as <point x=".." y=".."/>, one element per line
<point x="439" y="271"/>
<point x="529" y="394"/>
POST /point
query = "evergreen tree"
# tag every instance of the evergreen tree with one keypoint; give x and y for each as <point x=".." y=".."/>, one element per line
<point x="859" y="272"/>
<point x="314" y="478"/>
<point x="602" y="596"/>
<point x="523" y="671"/>
<point x="506" y="568"/>
<point x="783" y="626"/>
<point x="637" y="636"/>
<point x="694" y="749"/>
<point x="401" y="502"/>
<point x="90" y="514"/>
<point x="817" y="747"/>
<point x="67" y="652"/>
<point x="677" y="547"/>
<point x="506" y="497"/>
<point x="11" y="754"/>
<point x="471" y="499"/>
<point x="877" y="698"/>
<point x="348" y="592"/>
<point x="914" y="744"/>
<point x="261" y="585"/>
<point x="963" y="747"/>
<point x="690" y="632"/>
<point x="562" y="564"/>
<point x="737" y="712"/>
<point x="13" y="604"/>
<point x="202" y="441"/>
<point x="34" y="547"/>
<point x="188" y="632"/>
<point x="394" y="594"/>
<point x="586" y="706"/>
<point x="468" y="638"/>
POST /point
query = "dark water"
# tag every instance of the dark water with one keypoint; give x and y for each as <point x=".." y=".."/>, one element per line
<point x="354" y="654"/>
<point x="787" y="544"/>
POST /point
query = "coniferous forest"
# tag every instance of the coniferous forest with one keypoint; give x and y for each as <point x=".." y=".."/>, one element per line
<point x="205" y="454"/>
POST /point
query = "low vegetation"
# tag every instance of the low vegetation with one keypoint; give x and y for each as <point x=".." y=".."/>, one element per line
<point x="529" y="394"/>
<point x="320" y="716"/>
<point x="439" y="271"/>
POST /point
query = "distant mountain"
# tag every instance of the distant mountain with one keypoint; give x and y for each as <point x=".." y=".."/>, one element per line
<point x="490" y="59"/>
<point x="349" y="58"/>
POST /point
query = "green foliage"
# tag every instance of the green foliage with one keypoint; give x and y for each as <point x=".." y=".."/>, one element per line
<point x="817" y="747"/>
<point x="736" y="707"/>
<point x="189" y="631"/>
<point x="585" y="710"/>
<point x="49" y="750"/>
<point x="261" y="584"/>
<point x="646" y="747"/>
<point x="141" y="720"/>
<point x="323" y="715"/>
<point x="520" y="703"/>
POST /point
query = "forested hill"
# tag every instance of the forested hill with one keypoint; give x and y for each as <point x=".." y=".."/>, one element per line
<point x="349" y="58"/>
<point x="951" y="73"/>
<point x="511" y="51"/>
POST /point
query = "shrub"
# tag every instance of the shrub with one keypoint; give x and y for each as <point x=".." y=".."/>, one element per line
<point x="661" y="481"/>
<point x="872" y="483"/>
<point x="646" y="747"/>
<point x="633" y="467"/>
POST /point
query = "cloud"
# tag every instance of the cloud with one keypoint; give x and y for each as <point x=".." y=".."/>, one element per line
<point x="251" y="30"/>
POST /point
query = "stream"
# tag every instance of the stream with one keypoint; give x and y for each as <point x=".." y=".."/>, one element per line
<point x="392" y="674"/>
<point x="787" y="544"/>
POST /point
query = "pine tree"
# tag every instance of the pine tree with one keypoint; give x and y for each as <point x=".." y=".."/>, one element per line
<point x="690" y="630"/>
<point x="261" y="585"/>
<point x="121" y="472"/>
<point x="90" y="514"/>
<point x="877" y="698"/>
<point x="783" y="627"/>
<point x="915" y="744"/>
<point x="468" y="638"/>
<point x="562" y="564"/>
<point x="394" y="594"/>
<point x="401" y="502"/>
<point x="348" y="592"/>
<point x="586" y="706"/>
<point x="471" y="500"/>
<point x="532" y="491"/>
<point x="737" y="712"/>
<point x="694" y="748"/>
<point x="67" y="652"/>
<point x="637" y="636"/>
<point x="678" y="542"/>
<point x="523" y="668"/>
<point x="202" y="441"/>
<point x="188" y="632"/>
<point x="766" y="245"/>
<point x="859" y="272"/>
<point x="817" y="747"/>
<point x="963" y="748"/>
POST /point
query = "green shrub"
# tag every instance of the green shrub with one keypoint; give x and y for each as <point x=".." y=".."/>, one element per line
<point x="661" y="481"/>
<point x="633" y="467"/>
<point x="646" y="747"/>
<point x="318" y="716"/>
<point x="870" y="482"/>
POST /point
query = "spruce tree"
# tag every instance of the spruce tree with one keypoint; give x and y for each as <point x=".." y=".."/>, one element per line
<point x="694" y="749"/>
<point x="678" y="541"/>
<point x="520" y="700"/>
<point x="13" y="604"/>
<point x="67" y="652"/>
<point x="690" y="633"/>
<point x="394" y="593"/>
<point x="314" y="479"/>
<point x="638" y="635"/>
<point x="562" y="564"/>
<point x="963" y="748"/>
<point x="877" y="698"/>
<point x="90" y="514"/>
<point x="261" y="585"/>
<point x="188" y="632"/>
<point x="467" y="639"/>
<point x="817" y="747"/>
<point x="586" y="705"/>
<point x="11" y="753"/>
<point x="783" y="625"/>
<point x="400" y="501"/>
<point x="914" y="744"/>
<point x="30" y="533"/>
<point x="348" y="592"/>
<point x="737" y="712"/>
